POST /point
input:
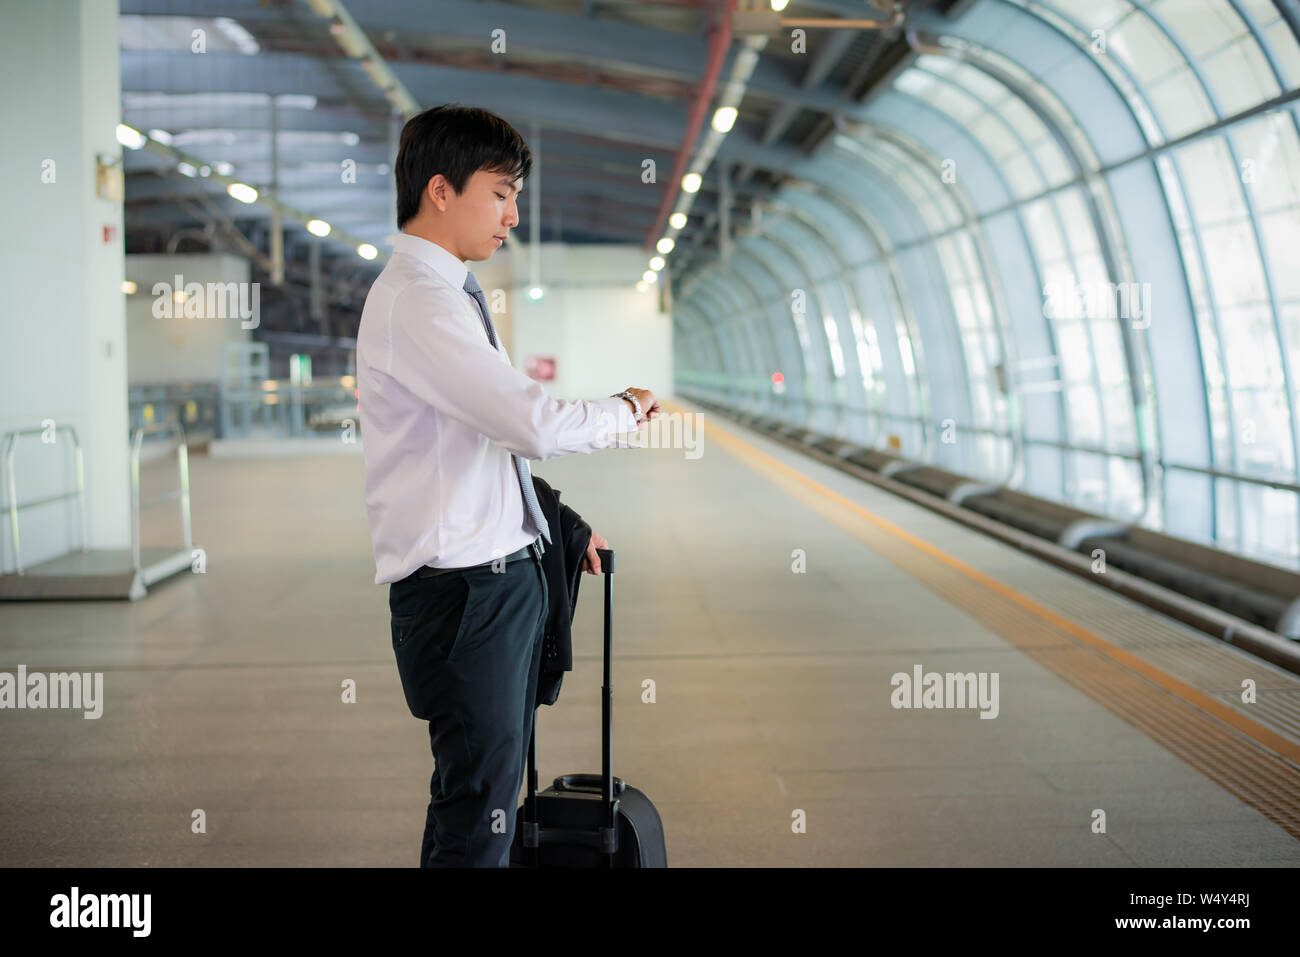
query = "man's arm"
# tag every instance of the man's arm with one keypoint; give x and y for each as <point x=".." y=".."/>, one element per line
<point x="451" y="365"/>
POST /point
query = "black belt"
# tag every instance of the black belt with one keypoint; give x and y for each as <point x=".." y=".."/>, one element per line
<point x="534" y="547"/>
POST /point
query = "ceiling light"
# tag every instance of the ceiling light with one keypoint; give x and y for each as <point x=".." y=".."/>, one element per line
<point x="657" y="263"/>
<point x="295" y="101"/>
<point x="241" y="38"/>
<point x="650" y="276"/>
<point x="130" y="137"/>
<point x="677" y="220"/>
<point x="242" y="192"/>
<point x="367" y="251"/>
<point x="318" y="227"/>
<point x="691" y="182"/>
<point x="665" y="245"/>
<point x="724" y="118"/>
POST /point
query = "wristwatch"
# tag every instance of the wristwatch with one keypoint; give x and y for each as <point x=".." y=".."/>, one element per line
<point x="630" y="397"/>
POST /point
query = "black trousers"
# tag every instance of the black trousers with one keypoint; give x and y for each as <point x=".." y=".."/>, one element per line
<point x="468" y="645"/>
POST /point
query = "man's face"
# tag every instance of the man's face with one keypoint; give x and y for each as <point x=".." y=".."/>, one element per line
<point x="484" y="213"/>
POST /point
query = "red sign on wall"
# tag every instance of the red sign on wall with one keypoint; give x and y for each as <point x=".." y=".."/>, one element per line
<point x="541" y="368"/>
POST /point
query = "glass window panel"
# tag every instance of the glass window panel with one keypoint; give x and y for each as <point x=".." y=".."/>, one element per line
<point x="1268" y="526"/>
<point x="1109" y="349"/>
<point x="1290" y="318"/>
<point x="962" y="307"/>
<point x="1043" y="231"/>
<point x="966" y="249"/>
<point x="955" y="103"/>
<point x="1211" y="181"/>
<point x="916" y="82"/>
<point x="1087" y="485"/>
<point x="993" y="136"/>
<point x="981" y="85"/>
<point x="1240" y="77"/>
<point x="833" y="342"/>
<point x="1022" y="176"/>
<point x="1061" y="299"/>
<point x="988" y="455"/>
<point x="1145" y="50"/>
<point x="942" y="65"/>
<point x="948" y="257"/>
<point x="1120" y="428"/>
<point x="1286" y="51"/>
<point x="1076" y="357"/>
<point x="1078" y="225"/>
<point x="1281" y="237"/>
<point x="980" y="404"/>
<point x="1174" y="195"/>
<point x="1023" y="120"/>
<point x="983" y="309"/>
<point x="976" y="363"/>
<point x="1195" y="275"/>
<point x="1270" y="157"/>
<point x="1200" y="27"/>
<point x="1180" y="103"/>
<point x="1091" y="270"/>
<point x="1219" y="431"/>
<point x="1060" y="291"/>
<point x="1233" y="261"/>
<point x="1085" y="417"/>
<point x="1225" y="500"/>
<point x="1053" y="163"/>
<point x="1250" y="342"/>
<point x="1125" y="487"/>
<point x="1264" y="433"/>
<point x="1263" y="12"/>
<point x="1094" y="15"/>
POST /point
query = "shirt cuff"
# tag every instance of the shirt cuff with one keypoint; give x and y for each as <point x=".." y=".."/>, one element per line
<point x="623" y="414"/>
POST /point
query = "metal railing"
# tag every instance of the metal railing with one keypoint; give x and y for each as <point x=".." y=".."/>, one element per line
<point x="283" y="408"/>
<point x="182" y="491"/>
<point x="10" y="445"/>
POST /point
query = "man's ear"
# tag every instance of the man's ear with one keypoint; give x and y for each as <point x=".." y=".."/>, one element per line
<point x="436" y="191"/>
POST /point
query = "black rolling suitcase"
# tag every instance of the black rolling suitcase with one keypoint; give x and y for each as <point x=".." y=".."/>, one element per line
<point x="588" y="820"/>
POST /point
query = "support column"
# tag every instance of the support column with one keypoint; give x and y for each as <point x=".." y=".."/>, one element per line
<point x="62" y="309"/>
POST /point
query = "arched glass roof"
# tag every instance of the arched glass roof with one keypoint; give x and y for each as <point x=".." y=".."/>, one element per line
<point x="1056" y="250"/>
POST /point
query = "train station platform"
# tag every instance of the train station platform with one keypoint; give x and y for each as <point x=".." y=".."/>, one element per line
<point x="771" y="616"/>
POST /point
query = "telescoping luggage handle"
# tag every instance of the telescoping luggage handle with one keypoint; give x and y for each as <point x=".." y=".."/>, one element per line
<point x="607" y="839"/>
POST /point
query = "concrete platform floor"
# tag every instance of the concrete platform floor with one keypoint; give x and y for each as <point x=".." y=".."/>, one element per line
<point x="772" y="692"/>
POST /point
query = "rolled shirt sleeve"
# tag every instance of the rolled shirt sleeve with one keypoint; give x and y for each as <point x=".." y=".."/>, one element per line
<point x="447" y="361"/>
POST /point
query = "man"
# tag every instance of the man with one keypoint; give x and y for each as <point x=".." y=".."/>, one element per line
<point x="448" y="427"/>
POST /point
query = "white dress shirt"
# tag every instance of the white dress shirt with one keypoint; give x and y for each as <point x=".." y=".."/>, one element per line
<point x="441" y="411"/>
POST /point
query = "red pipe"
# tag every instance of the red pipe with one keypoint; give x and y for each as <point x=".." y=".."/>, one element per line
<point x="719" y="40"/>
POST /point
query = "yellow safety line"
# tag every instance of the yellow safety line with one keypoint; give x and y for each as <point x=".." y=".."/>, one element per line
<point x="1265" y="736"/>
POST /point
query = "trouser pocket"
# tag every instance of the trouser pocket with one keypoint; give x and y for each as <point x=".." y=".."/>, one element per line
<point x="427" y="620"/>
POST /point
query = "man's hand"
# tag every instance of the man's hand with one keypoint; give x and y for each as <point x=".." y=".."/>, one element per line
<point x="591" y="563"/>
<point x="649" y="404"/>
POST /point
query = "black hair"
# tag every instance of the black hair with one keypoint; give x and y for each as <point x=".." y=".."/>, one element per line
<point x="456" y="141"/>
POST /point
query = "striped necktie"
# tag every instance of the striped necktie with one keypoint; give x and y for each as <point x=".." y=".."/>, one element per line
<point x="521" y="464"/>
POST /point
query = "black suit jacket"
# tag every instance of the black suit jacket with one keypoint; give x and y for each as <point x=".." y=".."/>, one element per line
<point x="562" y="565"/>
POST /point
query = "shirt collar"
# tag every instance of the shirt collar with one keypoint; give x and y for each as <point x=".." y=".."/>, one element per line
<point x="450" y="267"/>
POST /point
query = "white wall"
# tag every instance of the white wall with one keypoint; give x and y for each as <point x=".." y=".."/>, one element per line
<point x="178" y="349"/>
<point x="604" y="334"/>
<point x="62" y="318"/>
